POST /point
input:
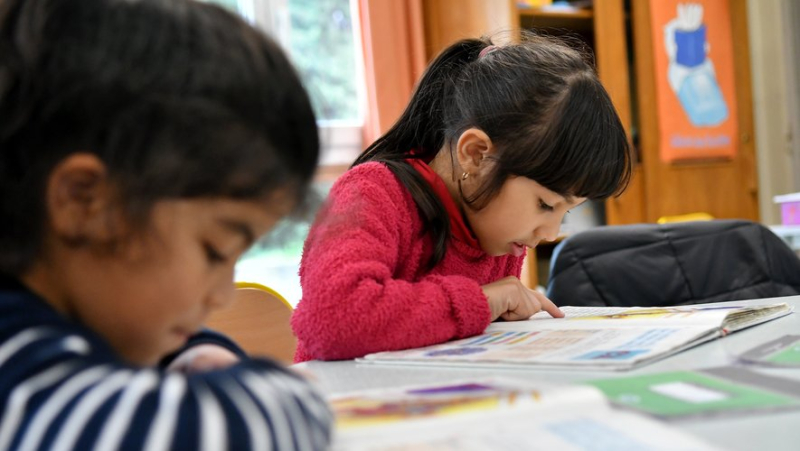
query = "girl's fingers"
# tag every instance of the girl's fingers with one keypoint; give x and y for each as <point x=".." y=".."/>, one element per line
<point x="548" y="306"/>
<point x="527" y="306"/>
<point x="521" y="302"/>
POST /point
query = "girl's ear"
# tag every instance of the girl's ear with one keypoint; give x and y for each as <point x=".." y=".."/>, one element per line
<point x="473" y="146"/>
<point x="80" y="201"/>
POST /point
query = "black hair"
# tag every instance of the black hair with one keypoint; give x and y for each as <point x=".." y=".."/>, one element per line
<point x="179" y="99"/>
<point x="539" y="101"/>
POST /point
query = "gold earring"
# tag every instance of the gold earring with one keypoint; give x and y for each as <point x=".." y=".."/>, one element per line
<point x="464" y="175"/>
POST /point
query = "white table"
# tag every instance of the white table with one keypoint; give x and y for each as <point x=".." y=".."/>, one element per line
<point x="765" y="432"/>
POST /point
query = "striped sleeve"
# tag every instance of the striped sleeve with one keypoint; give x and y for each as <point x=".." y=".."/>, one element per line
<point x="59" y="392"/>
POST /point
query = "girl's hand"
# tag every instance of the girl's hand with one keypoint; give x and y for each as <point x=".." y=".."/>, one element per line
<point x="204" y="357"/>
<point x="512" y="301"/>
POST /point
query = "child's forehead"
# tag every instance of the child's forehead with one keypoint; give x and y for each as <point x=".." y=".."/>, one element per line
<point x="532" y="185"/>
<point x="221" y="207"/>
<point x="248" y="218"/>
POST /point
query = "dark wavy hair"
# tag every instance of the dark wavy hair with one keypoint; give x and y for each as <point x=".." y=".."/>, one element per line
<point x="179" y="99"/>
<point x="541" y="104"/>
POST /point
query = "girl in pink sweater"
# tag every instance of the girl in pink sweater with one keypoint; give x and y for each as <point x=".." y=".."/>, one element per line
<point x="422" y="240"/>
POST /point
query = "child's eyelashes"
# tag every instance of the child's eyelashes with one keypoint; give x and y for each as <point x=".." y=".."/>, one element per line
<point x="213" y="255"/>
<point x="544" y="206"/>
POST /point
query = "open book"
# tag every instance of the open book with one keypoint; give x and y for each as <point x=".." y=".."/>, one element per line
<point x="595" y="338"/>
<point x="495" y="414"/>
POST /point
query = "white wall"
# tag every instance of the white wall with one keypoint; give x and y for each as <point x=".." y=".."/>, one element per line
<point x="773" y="91"/>
<point x="791" y="29"/>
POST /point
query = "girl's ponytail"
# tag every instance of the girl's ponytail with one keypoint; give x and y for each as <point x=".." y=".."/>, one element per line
<point x="421" y="127"/>
<point x="420" y="133"/>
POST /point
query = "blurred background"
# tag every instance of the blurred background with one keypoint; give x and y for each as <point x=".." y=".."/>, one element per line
<point x="707" y="90"/>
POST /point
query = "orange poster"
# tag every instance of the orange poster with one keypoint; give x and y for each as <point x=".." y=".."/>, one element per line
<point x="695" y="93"/>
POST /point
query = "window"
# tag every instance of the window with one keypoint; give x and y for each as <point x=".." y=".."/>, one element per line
<point x="322" y="37"/>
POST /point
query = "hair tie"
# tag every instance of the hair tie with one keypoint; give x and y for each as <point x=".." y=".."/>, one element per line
<point x="487" y="50"/>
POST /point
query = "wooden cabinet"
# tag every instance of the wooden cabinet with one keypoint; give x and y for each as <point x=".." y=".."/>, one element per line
<point x="722" y="188"/>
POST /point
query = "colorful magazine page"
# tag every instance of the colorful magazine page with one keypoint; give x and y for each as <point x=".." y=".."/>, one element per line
<point x="457" y="399"/>
<point x="480" y="415"/>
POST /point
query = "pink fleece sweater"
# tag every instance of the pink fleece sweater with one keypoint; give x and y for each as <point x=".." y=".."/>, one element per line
<point x="364" y="278"/>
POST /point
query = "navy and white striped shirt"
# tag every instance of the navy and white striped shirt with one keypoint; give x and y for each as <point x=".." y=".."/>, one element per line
<point x="62" y="387"/>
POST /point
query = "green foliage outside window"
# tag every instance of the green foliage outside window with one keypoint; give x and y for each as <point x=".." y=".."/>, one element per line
<point x="321" y="44"/>
<point x="322" y="48"/>
<point x="233" y="5"/>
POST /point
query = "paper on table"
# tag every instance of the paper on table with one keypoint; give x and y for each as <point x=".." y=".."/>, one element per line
<point x="495" y="414"/>
<point x="710" y="392"/>
<point x="781" y="352"/>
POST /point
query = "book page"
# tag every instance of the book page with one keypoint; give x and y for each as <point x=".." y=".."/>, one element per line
<point x="638" y="316"/>
<point x="597" y="348"/>
<point x="594" y="338"/>
<point x="366" y="412"/>
<point x="751" y="316"/>
<point x="732" y="316"/>
<point x="492" y="415"/>
<point x="575" y="431"/>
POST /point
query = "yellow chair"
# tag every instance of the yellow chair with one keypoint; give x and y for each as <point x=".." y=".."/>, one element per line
<point x="258" y="321"/>
<point x="699" y="216"/>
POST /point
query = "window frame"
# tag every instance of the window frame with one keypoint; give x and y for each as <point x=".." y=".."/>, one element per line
<point x="341" y="141"/>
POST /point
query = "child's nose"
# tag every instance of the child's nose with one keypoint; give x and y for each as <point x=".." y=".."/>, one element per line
<point x="548" y="231"/>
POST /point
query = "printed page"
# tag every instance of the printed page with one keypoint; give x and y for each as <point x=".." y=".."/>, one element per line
<point x="491" y="415"/>
<point x="751" y="316"/>
<point x="366" y="412"/>
<point x="637" y="316"/>
<point x="733" y="316"/>
<point x="597" y="348"/>
<point x="596" y="338"/>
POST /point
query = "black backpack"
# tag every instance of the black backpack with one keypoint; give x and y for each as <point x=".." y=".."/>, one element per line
<point x="672" y="264"/>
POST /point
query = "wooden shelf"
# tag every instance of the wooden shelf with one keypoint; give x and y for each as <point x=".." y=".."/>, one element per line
<point x="576" y="20"/>
<point x="556" y="13"/>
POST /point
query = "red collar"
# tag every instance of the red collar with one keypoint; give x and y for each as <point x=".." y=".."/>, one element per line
<point x="458" y="227"/>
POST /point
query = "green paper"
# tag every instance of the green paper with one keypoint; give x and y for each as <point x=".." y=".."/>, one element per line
<point x="788" y="356"/>
<point x="682" y="393"/>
